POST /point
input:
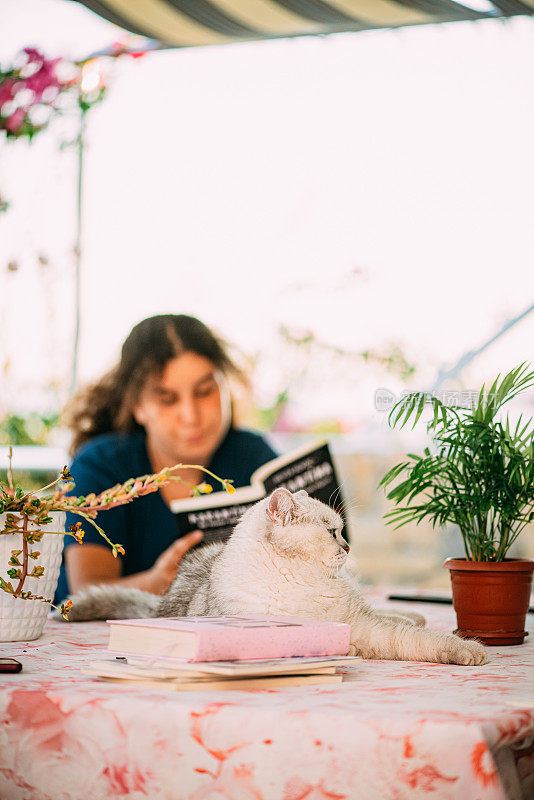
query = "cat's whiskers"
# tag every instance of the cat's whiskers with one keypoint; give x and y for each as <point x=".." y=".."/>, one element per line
<point x="334" y="495"/>
<point x="343" y="507"/>
<point x="348" y="506"/>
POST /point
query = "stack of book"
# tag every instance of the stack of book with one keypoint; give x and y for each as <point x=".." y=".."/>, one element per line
<point x="252" y="651"/>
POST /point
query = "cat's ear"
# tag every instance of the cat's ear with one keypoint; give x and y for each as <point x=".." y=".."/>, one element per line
<point x="281" y="507"/>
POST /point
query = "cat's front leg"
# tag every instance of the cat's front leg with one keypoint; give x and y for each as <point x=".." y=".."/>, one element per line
<point x="412" y="617"/>
<point x="375" y="637"/>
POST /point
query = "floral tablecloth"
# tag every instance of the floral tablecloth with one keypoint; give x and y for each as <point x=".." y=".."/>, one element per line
<point x="391" y="731"/>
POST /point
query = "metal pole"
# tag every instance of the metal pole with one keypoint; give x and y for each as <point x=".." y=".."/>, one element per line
<point x="78" y="254"/>
<point x="445" y="374"/>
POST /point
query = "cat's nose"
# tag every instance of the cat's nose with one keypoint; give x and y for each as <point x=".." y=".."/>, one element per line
<point x="345" y="546"/>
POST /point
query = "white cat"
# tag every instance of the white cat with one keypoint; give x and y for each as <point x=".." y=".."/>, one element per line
<point x="285" y="557"/>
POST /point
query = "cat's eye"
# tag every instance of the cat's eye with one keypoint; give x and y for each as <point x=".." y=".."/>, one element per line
<point x="332" y="531"/>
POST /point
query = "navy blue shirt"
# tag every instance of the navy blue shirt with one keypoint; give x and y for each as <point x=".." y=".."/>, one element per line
<point x="146" y="526"/>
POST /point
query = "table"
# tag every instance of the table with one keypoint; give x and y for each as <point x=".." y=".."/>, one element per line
<point x="391" y="731"/>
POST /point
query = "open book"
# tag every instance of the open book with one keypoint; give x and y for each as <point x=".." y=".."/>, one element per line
<point x="309" y="467"/>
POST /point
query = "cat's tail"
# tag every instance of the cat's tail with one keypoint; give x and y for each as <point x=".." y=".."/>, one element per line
<point x="111" y="602"/>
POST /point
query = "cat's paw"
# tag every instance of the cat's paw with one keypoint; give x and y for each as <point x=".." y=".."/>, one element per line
<point x="466" y="652"/>
<point x="353" y="650"/>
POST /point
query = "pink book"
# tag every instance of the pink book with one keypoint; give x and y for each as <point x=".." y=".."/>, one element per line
<point x="228" y="638"/>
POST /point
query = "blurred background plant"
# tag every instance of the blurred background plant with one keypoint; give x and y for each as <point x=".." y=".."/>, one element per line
<point x="308" y="366"/>
<point x="33" y="429"/>
<point x="35" y="89"/>
<point x="30" y="93"/>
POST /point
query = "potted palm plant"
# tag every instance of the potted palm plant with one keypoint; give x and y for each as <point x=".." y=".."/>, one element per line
<point x="478" y="475"/>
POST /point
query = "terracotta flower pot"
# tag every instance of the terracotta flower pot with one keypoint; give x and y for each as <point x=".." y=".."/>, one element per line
<point x="491" y="599"/>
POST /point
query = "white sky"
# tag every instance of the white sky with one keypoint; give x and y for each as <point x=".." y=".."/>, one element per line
<point x="249" y="184"/>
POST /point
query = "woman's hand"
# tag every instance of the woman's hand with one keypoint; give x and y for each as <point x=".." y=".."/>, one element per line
<point x="165" y="568"/>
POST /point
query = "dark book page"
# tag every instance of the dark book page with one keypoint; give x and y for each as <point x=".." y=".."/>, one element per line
<point x="311" y="468"/>
<point x="216" y="523"/>
<point x="315" y="473"/>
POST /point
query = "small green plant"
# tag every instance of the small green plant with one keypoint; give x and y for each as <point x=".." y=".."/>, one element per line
<point x="481" y="473"/>
<point x="33" y="429"/>
<point x="27" y="512"/>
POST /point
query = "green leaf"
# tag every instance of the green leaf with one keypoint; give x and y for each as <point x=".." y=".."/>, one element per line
<point x="14" y="573"/>
<point x="391" y="475"/>
<point x="435" y="403"/>
<point x="409" y="408"/>
<point x="479" y="410"/>
<point x="420" y="408"/>
<point x="37" y="572"/>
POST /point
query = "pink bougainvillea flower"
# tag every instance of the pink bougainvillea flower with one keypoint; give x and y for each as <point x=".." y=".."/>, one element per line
<point x="33" y="55"/>
<point x="7" y="91"/>
<point x="45" y="78"/>
<point x="14" y="122"/>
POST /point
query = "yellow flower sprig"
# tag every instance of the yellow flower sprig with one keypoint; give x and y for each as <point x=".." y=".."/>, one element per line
<point x="24" y="507"/>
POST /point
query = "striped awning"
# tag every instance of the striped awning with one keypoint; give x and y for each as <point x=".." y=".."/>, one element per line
<point x="191" y="23"/>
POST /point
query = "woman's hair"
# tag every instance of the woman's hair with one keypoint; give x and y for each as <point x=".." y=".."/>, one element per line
<point x="108" y="404"/>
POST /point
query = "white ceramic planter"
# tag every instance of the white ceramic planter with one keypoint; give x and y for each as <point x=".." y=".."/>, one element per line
<point x="23" y="620"/>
